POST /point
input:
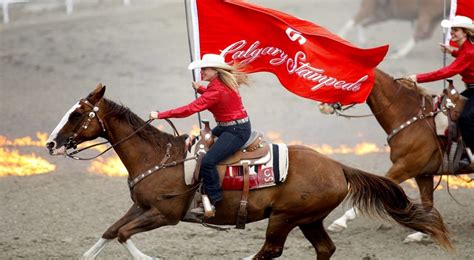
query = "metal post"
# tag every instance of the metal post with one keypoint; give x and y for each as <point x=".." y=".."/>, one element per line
<point x="69" y="6"/>
<point x="444" y="41"/>
<point x="6" y="18"/>
<point x="191" y="54"/>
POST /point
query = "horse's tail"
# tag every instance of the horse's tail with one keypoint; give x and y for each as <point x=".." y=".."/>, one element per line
<point x="379" y="196"/>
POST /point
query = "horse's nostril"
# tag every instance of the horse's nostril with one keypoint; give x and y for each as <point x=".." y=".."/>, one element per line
<point x="50" y="145"/>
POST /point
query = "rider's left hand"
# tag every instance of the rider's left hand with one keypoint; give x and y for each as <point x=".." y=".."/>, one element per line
<point x="154" y="115"/>
<point x="411" y="78"/>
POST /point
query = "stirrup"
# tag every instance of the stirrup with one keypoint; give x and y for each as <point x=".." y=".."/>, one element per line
<point x="469" y="154"/>
<point x="206" y="209"/>
<point x="200" y="211"/>
<point x="464" y="163"/>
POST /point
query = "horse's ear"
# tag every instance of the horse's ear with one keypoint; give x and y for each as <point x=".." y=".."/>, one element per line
<point x="97" y="94"/>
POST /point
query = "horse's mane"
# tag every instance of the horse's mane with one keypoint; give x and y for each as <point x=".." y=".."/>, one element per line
<point x="150" y="133"/>
<point x="408" y="85"/>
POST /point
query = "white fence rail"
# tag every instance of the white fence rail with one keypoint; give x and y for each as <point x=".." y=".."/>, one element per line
<point x="69" y="6"/>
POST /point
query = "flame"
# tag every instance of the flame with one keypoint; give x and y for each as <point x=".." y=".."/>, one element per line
<point x="359" y="149"/>
<point x="110" y="166"/>
<point x="452" y="181"/>
<point x="12" y="163"/>
<point x="25" y="141"/>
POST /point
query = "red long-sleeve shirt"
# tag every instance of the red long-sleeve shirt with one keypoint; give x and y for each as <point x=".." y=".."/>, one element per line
<point x="463" y="65"/>
<point x="224" y="103"/>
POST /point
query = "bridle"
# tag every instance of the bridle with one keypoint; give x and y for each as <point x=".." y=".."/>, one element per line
<point x="71" y="141"/>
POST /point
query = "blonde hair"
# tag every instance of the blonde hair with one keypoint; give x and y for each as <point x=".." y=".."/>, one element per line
<point x="233" y="78"/>
<point x="470" y="34"/>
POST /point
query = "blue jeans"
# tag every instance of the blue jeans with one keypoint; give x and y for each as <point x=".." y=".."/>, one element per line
<point x="466" y="123"/>
<point x="231" y="139"/>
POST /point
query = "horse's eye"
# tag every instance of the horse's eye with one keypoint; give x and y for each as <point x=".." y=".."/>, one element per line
<point x="75" y="115"/>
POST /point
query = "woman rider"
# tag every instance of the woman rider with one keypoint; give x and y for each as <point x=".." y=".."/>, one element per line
<point x="221" y="97"/>
<point x="462" y="33"/>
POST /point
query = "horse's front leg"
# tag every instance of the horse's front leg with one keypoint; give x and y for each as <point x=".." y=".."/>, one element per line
<point x="132" y="213"/>
<point x="112" y="232"/>
<point x="150" y="219"/>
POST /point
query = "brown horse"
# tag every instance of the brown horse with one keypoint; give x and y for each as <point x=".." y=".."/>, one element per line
<point x="415" y="149"/>
<point x="314" y="187"/>
<point x="425" y="14"/>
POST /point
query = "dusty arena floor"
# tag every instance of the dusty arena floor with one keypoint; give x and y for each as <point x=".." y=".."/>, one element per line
<point x="49" y="60"/>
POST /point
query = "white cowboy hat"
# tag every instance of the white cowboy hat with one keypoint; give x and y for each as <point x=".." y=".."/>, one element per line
<point x="210" y="61"/>
<point x="458" y="21"/>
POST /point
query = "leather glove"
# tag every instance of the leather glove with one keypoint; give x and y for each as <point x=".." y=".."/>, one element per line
<point x="411" y="78"/>
<point x="154" y="115"/>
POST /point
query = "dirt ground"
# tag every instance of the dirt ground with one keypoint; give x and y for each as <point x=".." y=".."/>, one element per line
<point x="49" y="60"/>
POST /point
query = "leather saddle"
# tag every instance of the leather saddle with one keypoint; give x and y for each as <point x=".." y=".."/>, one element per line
<point x="252" y="151"/>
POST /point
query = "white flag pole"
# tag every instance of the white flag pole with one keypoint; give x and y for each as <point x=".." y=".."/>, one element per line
<point x="446" y="33"/>
<point x="195" y="30"/>
<point x="445" y="40"/>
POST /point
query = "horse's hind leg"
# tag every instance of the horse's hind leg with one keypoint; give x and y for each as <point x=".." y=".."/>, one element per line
<point x="319" y="238"/>
<point x="277" y="231"/>
<point x="425" y="185"/>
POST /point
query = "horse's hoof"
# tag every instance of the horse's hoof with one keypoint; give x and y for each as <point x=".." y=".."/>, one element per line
<point x="248" y="257"/>
<point x="416" y="238"/>
<point x="336" y="227"/>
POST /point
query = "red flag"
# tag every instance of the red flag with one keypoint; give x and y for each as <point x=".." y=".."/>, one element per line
<point x="307" y="59"/>
<point x="459" y="7"/>
<point x="462" y="7"/>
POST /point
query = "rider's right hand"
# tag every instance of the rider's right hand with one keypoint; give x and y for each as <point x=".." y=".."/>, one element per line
<point x="195" y="85"/>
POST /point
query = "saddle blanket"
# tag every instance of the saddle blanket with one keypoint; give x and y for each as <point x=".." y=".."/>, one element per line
<point x="260" y="175"/>
<point x="441" y="119"/>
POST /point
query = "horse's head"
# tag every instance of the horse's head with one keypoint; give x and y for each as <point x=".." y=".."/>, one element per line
<point x="453" y="100"/>
<point x="81" y="123"/>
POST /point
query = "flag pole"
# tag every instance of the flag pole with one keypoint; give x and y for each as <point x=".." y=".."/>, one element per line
<point x="444" y="41"/>
<point x="191" y="53"/>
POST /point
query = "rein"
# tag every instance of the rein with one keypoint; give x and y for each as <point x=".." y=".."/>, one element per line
<point x="392" y="101"/>
<point x="92" y="115"/>
<point x="71" y="155"/>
